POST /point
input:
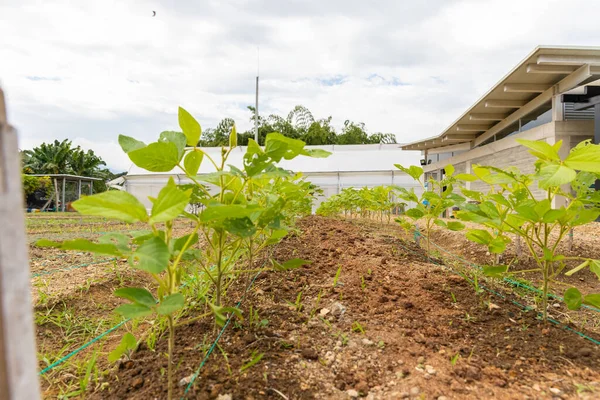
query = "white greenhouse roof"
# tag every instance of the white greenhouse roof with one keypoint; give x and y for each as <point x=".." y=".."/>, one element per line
<point x="344" y="158"/>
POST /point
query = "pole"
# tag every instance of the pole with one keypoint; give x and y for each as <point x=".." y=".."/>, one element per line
<point x="256" y="113"/>
<point x="18" y="361"/>
<point x="63" y="194"/>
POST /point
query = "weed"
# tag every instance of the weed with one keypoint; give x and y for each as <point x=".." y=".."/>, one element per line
<point x="254" y="359"/>
<point x="337" y="276"/>
<point x="357" y="327"/>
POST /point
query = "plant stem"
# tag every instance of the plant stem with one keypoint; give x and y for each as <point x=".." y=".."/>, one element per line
<point x="170" y="366"/>
<point x="545" y="292"/>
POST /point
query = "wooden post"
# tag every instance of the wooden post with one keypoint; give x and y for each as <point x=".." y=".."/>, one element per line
<point x="18" y="362"/>
<point x="63" y="205"/>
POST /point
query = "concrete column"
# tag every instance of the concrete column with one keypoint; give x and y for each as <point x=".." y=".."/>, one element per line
<point x="558" y="110"/>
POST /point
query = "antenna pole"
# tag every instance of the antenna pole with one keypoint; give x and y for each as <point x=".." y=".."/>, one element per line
<point x="256" y="111"/>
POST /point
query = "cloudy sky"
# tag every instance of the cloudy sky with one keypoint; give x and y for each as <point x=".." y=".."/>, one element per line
<point x="89" y="70"/>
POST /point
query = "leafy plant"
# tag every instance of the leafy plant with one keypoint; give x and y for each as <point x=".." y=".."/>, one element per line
<point x="436" y="197"/>
<point x="542" y="222"/>
<point x="126" y="347"/>
<point x="243" y="211"/>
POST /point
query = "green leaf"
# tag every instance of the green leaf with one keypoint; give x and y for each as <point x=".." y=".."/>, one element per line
<point x="573" y="298"/>
<point x="152" y="256"/>
<point x="136" y="295"/>
<point x="177" y="138"/>
<point x="465" y="177"/>
<point x="113" y="204"/>
<point x="190" y="127"/>
<point x="233" y="139"/>
<point x="578" y="268"/>
<point x="498" y="198"/>
<point x="592" y="300"/>
<point x="242" y="227"/>
<point x="316" y="153"/>
<point x="497" y="245"/>
<point x="479" y="236"/>
<point x="584" y="157"/>
<point x="414" y="213"/>
<point x="82" y="245"/>
<point x="156" y="157"/>
<point x="595" y="267"/>
<point x="413" y="171"/>
<point x="128" y="343"/>
<point x="220" y="312"/>
<point x="441" y="223"/>
<point x="456" y="226"/>
<point x="584" y="216"/>
<point x="553" y="215"/>
<point x="490" y="209"/>
<point x="120" y="240"/>
<point x="180" y="242"/>
<point x="449" y="169"/>
<point x="540" y="149"/>
<point x="192" y="162"/>
<point x="220" y="212"/>
<point x="542" y="207"/>
<point x="129" y="144"/>
<point x="555" y="175"/>
<point x="290" y="264"/>
<point x="133" y="310"/>
<point x="527" y="212"/>
<point x="170" y="304"/>
<point x="495" y="271"/>
<point x="170" y="203"/>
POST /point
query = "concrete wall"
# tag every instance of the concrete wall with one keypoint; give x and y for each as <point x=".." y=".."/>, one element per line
<point x="507" y="152"/>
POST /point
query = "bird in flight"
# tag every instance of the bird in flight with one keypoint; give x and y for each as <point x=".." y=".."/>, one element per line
<point x="154" y="13"/>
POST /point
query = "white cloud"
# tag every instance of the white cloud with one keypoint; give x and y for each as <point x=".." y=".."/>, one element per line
<point x="91" y="70"/>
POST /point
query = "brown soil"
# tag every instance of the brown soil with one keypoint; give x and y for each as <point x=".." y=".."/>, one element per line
<point x="389" y="329"/>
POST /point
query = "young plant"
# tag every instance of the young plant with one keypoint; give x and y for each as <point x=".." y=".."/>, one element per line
<point x="541" y="221"/>
<point x="436" y="197"/>
<point x="256" y="204"/>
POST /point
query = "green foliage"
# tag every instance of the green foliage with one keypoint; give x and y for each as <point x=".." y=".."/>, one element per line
<point x="299" y="124"/>
<point x="126" y="347"/>
<point x="244" y="211"/>
<point x="510" y="208"/>
<point x="364" y="202"/>
<point x="437" y="196"/>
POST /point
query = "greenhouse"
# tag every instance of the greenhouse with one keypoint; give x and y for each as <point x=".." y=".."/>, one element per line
<point x="348" y="166"/>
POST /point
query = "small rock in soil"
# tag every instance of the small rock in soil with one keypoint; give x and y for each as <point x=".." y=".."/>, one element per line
<point x="310" y="354"/>
<point x="137" y="383"/>
<point x="362" y="387"/>
<point x="185" y="381"/>
<point x="430" y="370"/>
<point x="585" y="352"/>
<point x="367" y="342"/>
<point x="324" y="311"/>
<point x="442" y="398"/>
<point x="352" y="393"/>
<point x="421" y="360"/>
<point x="556" y="391"/>
<point x="415" y="391"/>
<point x="405" y="395"/>
<point x="338" y="310"/>
<point x="224" y="397"/>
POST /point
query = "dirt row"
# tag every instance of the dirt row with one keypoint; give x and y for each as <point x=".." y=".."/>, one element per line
<point x="392" y="326"/>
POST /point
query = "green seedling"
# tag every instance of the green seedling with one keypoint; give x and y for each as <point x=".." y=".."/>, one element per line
<point x="242" y="212"/>
<point x="125" y="348"/>
<point x="511" y="208"/>
<point x="357" y="327"/>
<point x="255" y="358"/>
<point x="337" y="276"/>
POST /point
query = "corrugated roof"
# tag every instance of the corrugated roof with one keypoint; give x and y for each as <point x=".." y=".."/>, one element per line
<point x="547" y="71"/>
<point x="344" y="158"/>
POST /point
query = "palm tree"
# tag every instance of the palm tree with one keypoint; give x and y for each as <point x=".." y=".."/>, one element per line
<point x="84" y="163"/>
<point x="50" y="158"/>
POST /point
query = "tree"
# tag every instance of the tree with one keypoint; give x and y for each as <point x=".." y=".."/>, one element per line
<point x="50" y="158"/>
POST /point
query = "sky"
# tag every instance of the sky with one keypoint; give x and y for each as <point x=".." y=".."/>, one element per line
<point x="91" y="70"/>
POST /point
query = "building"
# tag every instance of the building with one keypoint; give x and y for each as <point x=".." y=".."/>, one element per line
<point x="552" y="95"/>
<point x="348" y="166"/>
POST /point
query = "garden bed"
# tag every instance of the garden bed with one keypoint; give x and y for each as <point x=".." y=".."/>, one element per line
<point x="393" y="326"/>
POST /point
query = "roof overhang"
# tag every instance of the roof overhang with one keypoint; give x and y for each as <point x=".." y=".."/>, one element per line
<point x="546" y="72"/>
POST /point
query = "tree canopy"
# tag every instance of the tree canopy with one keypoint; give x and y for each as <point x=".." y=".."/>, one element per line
<point x="298" y="124"/>
<point x="60" y="157"/>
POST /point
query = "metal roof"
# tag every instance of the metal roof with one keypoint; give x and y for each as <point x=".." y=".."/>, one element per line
<point x="545" y="72"/>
